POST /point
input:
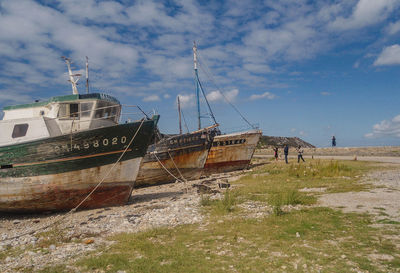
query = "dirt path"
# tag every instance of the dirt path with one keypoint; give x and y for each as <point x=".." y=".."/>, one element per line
<point x="383" y="159"/>
<point x="383" y="201"/>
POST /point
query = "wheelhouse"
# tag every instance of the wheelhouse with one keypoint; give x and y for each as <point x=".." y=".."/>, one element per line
<point x="57" y="116"/>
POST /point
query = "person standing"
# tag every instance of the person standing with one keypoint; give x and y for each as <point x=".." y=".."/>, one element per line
<point x="286" y="152"/>
<point x="300" y="154"/>
<point x="276" y="153"/>
<point x="333" y="141"/>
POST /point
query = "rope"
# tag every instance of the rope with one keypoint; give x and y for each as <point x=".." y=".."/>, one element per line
<point x="113" y="166"/>
<point x="184" y="120"/>
<point x="179" y="171"/>
<point x="162" y="165"/>
<point x="176" y="167"/>
<point x="225" y="98"/>
<point x="98" y="184"/>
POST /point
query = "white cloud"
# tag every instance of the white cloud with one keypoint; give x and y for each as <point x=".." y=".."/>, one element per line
<point x="302" y="133"/>
<point x="218" y="96"/>
<point x="365" y="13"/>
<point x="151" y="98"/>
<point x="324" y="93"/>
<point x="138" y="47"/>
<point x="257" y="68"/>
<point x="389" y="56"/>
<point x="393" y="28"/>
<point x="166" y="96"/>
<point x="265" y="95"/>
<point x="9" y="97"/>
<point x="187" y="101"/>
<point x="386" y="128"/>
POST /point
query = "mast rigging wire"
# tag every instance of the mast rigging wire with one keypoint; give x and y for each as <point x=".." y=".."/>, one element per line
<point x="209" y="75"/>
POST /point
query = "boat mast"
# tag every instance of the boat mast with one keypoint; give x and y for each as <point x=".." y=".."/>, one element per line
<point x="87" y="75"/>
<point x="180" y="120"/>
<point x="197" y="83"/>
<point x="73" y="78"/>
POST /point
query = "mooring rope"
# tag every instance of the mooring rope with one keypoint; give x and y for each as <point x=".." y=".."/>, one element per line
<point x="94" y="189"/>
<point x="176" y="167"/>
<point x="166" y="169"/>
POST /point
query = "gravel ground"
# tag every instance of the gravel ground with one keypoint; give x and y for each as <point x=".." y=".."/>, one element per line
<point x="382" y="201"/>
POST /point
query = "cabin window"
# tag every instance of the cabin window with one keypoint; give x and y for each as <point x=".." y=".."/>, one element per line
<point x="107" y="110"/>
<point x="74" y="110"/>
<point x="86" y="109"/>
<point x="20" y="130"/>
<point x="68" y="110"/>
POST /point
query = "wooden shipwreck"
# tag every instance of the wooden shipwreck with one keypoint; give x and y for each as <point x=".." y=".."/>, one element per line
<point x="179" y="157"/>
<point x="69" y="151"/>
<point x="231" y="152"/>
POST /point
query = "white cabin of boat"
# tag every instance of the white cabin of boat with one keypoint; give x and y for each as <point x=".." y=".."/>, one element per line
<point x="57" y="116"/>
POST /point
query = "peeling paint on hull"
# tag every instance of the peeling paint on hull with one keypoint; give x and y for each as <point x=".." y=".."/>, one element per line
<point x="57" y="173"/>
<point x="66" y="190"/>
<point x="231" y="152"/>
<point x="190" y="165"/>
<point x="189" y="153"/>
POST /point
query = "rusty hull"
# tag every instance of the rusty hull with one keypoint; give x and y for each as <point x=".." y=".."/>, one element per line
<point x="64" y="191"/>
<point x="182" y="155"/>
<point x="231" y="152"/>
<point x="190" y="165"/>
<point x="57" y="173"/>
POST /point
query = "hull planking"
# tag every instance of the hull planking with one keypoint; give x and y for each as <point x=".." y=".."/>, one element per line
<point x="231" y="152"/>
<point x="188" y="152"/>
<point x="57" y="173"/>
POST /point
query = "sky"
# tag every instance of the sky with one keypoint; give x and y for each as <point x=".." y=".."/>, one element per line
<point x="311" y="69"/>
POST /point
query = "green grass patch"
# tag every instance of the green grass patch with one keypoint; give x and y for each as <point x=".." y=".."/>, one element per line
<point x="301" y="241"/>
<point x="388" y="221"/>
<point x="279" y="178"/>
<point x="220" y="206"/>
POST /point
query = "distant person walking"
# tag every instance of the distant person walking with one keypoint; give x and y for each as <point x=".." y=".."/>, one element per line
<point x="276" y="153"/>
<point x="333" y="141"/>
<point x="286" y="152"/>
<point x="300" y="154"/>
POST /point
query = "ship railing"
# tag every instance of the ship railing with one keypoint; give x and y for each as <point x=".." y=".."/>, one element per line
<point x="238" y="129"/>
<point x="77" y="116"/>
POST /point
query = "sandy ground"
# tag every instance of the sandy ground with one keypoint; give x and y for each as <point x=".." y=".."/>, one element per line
<point x="383" y="201"/>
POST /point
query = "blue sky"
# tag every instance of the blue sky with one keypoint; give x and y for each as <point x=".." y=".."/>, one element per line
<point x="310" y="69"/>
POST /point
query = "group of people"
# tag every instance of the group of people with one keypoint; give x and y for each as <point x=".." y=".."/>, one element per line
<point x="300" y="152"/>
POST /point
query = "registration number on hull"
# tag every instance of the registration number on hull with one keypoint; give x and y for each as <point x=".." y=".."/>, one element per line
<point x="90" y="144"/>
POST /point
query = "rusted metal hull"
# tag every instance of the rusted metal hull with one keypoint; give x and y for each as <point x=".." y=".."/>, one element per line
<point x="57" y="173"/>
<point x="231" y="152"/>
<point x="64" y="191"/>
<point x="174" y="157"/>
